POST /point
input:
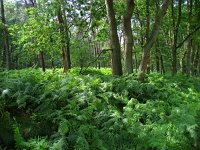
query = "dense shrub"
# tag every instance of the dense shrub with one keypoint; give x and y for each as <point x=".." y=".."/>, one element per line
<point x="53" y="110"/>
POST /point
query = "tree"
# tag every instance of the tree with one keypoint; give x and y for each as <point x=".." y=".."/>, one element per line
<point x="153" y="36"/>
<point x="129" y="7"/>
<point x="65" y="40"/>
<point x="114" y="39"/>
<point x="6" y="52"/>
<point x="189" y="47"/>
<point x="175" y="34"/>
<point x="147" y="31"/>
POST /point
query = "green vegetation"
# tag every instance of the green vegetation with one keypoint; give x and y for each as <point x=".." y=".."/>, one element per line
<point x="100" y="74"/>
<point x="51" y="110"/>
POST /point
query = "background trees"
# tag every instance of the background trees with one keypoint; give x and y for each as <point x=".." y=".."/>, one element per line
<point x="65" y="33"/>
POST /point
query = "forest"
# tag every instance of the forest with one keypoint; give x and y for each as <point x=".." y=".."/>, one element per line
<point x="99" y="74"/>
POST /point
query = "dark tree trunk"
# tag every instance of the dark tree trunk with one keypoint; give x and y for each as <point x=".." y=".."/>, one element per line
<point x="195" y="73"/>
<point x="175" y="35"/>
<point x="42" y="54"/>
<point x="157" y="55"/>
<point x="162" y="64"/>
<point x="64" y="41"/>
<point x="136" y="62"/>
<point x="147" y="32"/>
<point x="99" y="51"/>
<point x="189" y="48"/>
<point x="129" y="5"/>
<point x="67" y="41"/>
<point x="182" y="64"/>
<point x="152" y="39"/>
<point x="95" y="53"/>
<point x="6" y="46"/>
<point x="114" y="39"/>
<point x="68" y="54"/>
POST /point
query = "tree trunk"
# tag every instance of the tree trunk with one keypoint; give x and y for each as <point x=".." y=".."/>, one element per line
<point x="5" y="38"/>
<point x="175" y="35"/>
<point x="67" y="41"/>
<point x="147" y="33"/>
<point x="157" y="56"/>
<point x="189" y="48"/>
<point x="129" y="5"/>
<point x="43" y="61"/>
<point x="162" y="63"/>
<point x="114" y="39"/>
<point x="182" y="64"/>
<point x="195" y="64"/>
<point x="64" y="41"/>
<point x="152" y="39"/>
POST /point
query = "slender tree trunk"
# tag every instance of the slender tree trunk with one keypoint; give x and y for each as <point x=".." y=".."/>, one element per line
<point x="64" y="41"/>
<point x="65" y="62"/>
<point x="135" y="61"/>
<point x="198" y="66"/>
<point x="152" y="39"/>
<point x="5" y="38"/>
<point x="193" y="54"/>
<point x="182" y="63"/>
<point x="42" y="54"/>
<point x="175" y="35"/>
<point x="114" y="39"/>
<point x="147" y="33"/>
<point x="129" y="5"/>
<point x="189" y="48"/>
<point x="52" y="64"/>
<point x="157" y="55"/>
<point x="99" y="51"/>
<point x="95" y="54"/>
<point x="195" y="64"/>
<point x="68" y="54"/>
<point x="162" y="63"/>
<point x="3" y="53"/>
<point x="67" y="39"/>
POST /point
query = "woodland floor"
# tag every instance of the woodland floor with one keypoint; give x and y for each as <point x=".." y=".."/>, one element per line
<point x="96" y="111"/>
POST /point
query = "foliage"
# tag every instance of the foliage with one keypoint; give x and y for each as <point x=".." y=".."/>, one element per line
<point x="98" y="111"/>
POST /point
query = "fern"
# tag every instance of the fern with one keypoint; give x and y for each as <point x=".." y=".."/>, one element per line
<point x="63" y="127"/>
<point x="60" y="144"/>
<point x="102" y="112"/>
<point x="38" y="144"/>
<point x="81" y="144"/>
<point x="20" y="143"/>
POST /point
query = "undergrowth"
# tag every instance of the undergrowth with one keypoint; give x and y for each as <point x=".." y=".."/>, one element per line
<point x="56" y="111"/>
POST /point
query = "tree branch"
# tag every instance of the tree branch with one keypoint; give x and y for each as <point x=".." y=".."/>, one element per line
<point x="187" y="37"/>
<point x="102" y="51"/>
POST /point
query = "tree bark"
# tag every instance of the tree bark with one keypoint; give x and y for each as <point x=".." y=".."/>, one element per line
<point x="147" y="33"/>
<point x="162" y="63"/>
<point x="114" y="39"/>
<point x="152" y="39"/>
<point x="157" y="56"/>
<point x="64" y="41"/>
<point x="189" y="48"/>
<point x="182" y="64"/>
<point x="175" y="35"/>
<point x="5" y="38"/>
<point x="196" y="64"/>
<point x="129" y="5"/>
<point x="67" y="41"/>
<point x="42" y="54"/>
